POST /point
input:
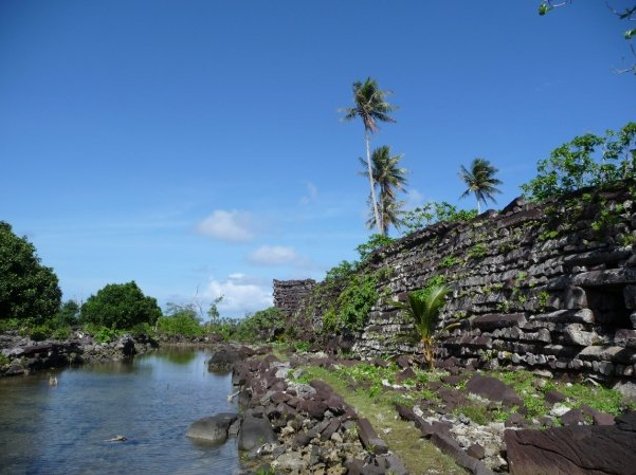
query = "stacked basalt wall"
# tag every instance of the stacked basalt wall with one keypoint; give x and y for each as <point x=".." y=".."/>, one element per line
<point x="548" y="286"/>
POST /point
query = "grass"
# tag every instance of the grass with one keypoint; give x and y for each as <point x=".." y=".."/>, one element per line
<point x="418" y="455"/>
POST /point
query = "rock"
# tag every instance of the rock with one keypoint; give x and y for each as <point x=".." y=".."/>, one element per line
<point x="627" y="421"/>
<point x="515" y="420"/>
<point x="494" y="321"/>
<point x="403" y="362"/>
<point x="405" y="375"/>
<point x="553" y="396"/>
<point x="627" y="390"/>
<point x="476" y="451"/>
<point x="493" y="389"/>
<point x="573" y="417"/>
<point x="559" y="409"/>
<point x="290" y="462"/>
<point x="575" y="450"/>
<point x="213" y="429"/>
<point x="370" y="439"/>
<point x="255" y="432"/>
<point x="223" y="360"/>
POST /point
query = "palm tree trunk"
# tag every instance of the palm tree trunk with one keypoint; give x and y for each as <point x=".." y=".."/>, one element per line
<point x="478" y="207"/>
<point x="376" y="214"/>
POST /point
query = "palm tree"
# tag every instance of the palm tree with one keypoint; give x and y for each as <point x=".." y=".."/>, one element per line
<point x="423" y="308"/>
<point x="371" y="106"/>
<point x="481" y="181"/>
<point x="389" y="178"/>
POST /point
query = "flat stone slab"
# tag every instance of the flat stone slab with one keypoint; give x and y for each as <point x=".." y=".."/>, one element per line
<point x="494" y="321"/>
<point x="576" y="450"/>
<point x="493" y="389"/>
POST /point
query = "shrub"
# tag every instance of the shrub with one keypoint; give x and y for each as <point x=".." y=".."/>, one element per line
<point x="120" y="306"/>
<point x="375" y="242"/>
<point x="181" y="320"/>
<point x="352" y="305"/>
<point x="434" y="212"/>
<point x="587" y="160"/>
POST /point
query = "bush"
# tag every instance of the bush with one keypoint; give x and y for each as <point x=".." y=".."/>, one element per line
<point x="587" y="160"/>
<point x="352" y="305"/>
<point x="181" y="320"/>
<point x="435" y="212"/>
<point x="263" y="326"/>
<point x="27" y="288"/>
<point x="120" y="306"/>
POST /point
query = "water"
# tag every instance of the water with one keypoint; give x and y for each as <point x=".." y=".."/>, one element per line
<point x="63" y="429"/>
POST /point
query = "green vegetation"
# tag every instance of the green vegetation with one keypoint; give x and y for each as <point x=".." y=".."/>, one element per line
<point x="434" y="212"/>
<point x="375" y="242"/>
<point x="480" y="180"/>
<point x="120" y="306"/>
<point x="371" y="107"/>
<point x="423" y="307"/>
<point x="27" y="288"/>
<point x="586" y="161"/>
<point x="379" y="407"/>
<point x="449" y="261"/>
<point x="478" y="251"/>
<point x="263" y="326"/>
<point x="389" y="178"/>
<point x="351" y="308"/>
<point x="180" y="320"/>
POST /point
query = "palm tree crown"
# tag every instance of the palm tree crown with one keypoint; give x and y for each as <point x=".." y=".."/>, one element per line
<point x="390" y="178"/>
<point x="480" y="180"/>
<point x="371" y="106"/>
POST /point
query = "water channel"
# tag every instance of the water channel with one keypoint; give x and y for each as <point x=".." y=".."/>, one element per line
<point x="64" y="429"/>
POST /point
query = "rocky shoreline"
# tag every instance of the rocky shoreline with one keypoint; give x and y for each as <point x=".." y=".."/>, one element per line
<point x="21" y="355"/>
<point x="288" y="427"/>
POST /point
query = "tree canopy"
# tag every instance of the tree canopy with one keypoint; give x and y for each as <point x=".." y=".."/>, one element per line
<point x="27" y="288"/>
<point x="120" y="306"/>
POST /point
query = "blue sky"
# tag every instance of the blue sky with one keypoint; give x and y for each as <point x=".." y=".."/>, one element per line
<point x="196" y="146"/>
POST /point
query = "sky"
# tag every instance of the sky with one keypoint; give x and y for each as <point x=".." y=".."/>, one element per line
<point x="197" y="148"/>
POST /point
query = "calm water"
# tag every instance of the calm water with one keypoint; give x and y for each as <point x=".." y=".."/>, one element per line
<point x="152" y="401"/>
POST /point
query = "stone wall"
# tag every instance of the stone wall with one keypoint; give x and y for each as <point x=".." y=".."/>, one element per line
<point x="549" y="286"/>
<point x="289" y="294"/>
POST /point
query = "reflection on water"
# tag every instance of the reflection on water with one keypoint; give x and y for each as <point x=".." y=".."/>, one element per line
<point x="64" y="429"/>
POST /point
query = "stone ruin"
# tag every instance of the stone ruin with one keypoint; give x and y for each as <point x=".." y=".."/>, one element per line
<point x="541" y="286"/>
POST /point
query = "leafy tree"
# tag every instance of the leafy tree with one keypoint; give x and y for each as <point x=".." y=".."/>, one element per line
<point x="480" y="180"/>
<point x="371" y="107"/>
<point x="628" y="14"/>
<point x="180" y="320"/>
<point x="213" y="311"/>
<point x="423" y="307"/>
<point x="27" y="288"/>
<point x="587" y="160"/>
<point x="120" y="306"/>
<point x="390" y="178"/>
<point x="68" y="314"/>
<point x="434" y="212"/>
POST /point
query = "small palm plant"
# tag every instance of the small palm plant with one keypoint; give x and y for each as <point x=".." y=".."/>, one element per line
<point x="423" y="306"/>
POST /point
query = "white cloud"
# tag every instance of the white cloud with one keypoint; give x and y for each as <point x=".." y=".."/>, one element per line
<point x="232" y="226"/>
<point x="241" y="295"/>
<point x="312" y="194"/>
<point x="274" y="256"/>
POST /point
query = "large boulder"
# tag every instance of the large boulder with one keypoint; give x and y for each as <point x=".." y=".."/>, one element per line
<point x="213" y="429"/>
<point x="223" y="360"/>
<point x="254" y="433"/>
<point x="574" y="450"/>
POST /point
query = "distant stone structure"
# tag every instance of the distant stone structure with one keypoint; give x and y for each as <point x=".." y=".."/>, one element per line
<point x="289" y="294"/>
<point x="547" y="290"/>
